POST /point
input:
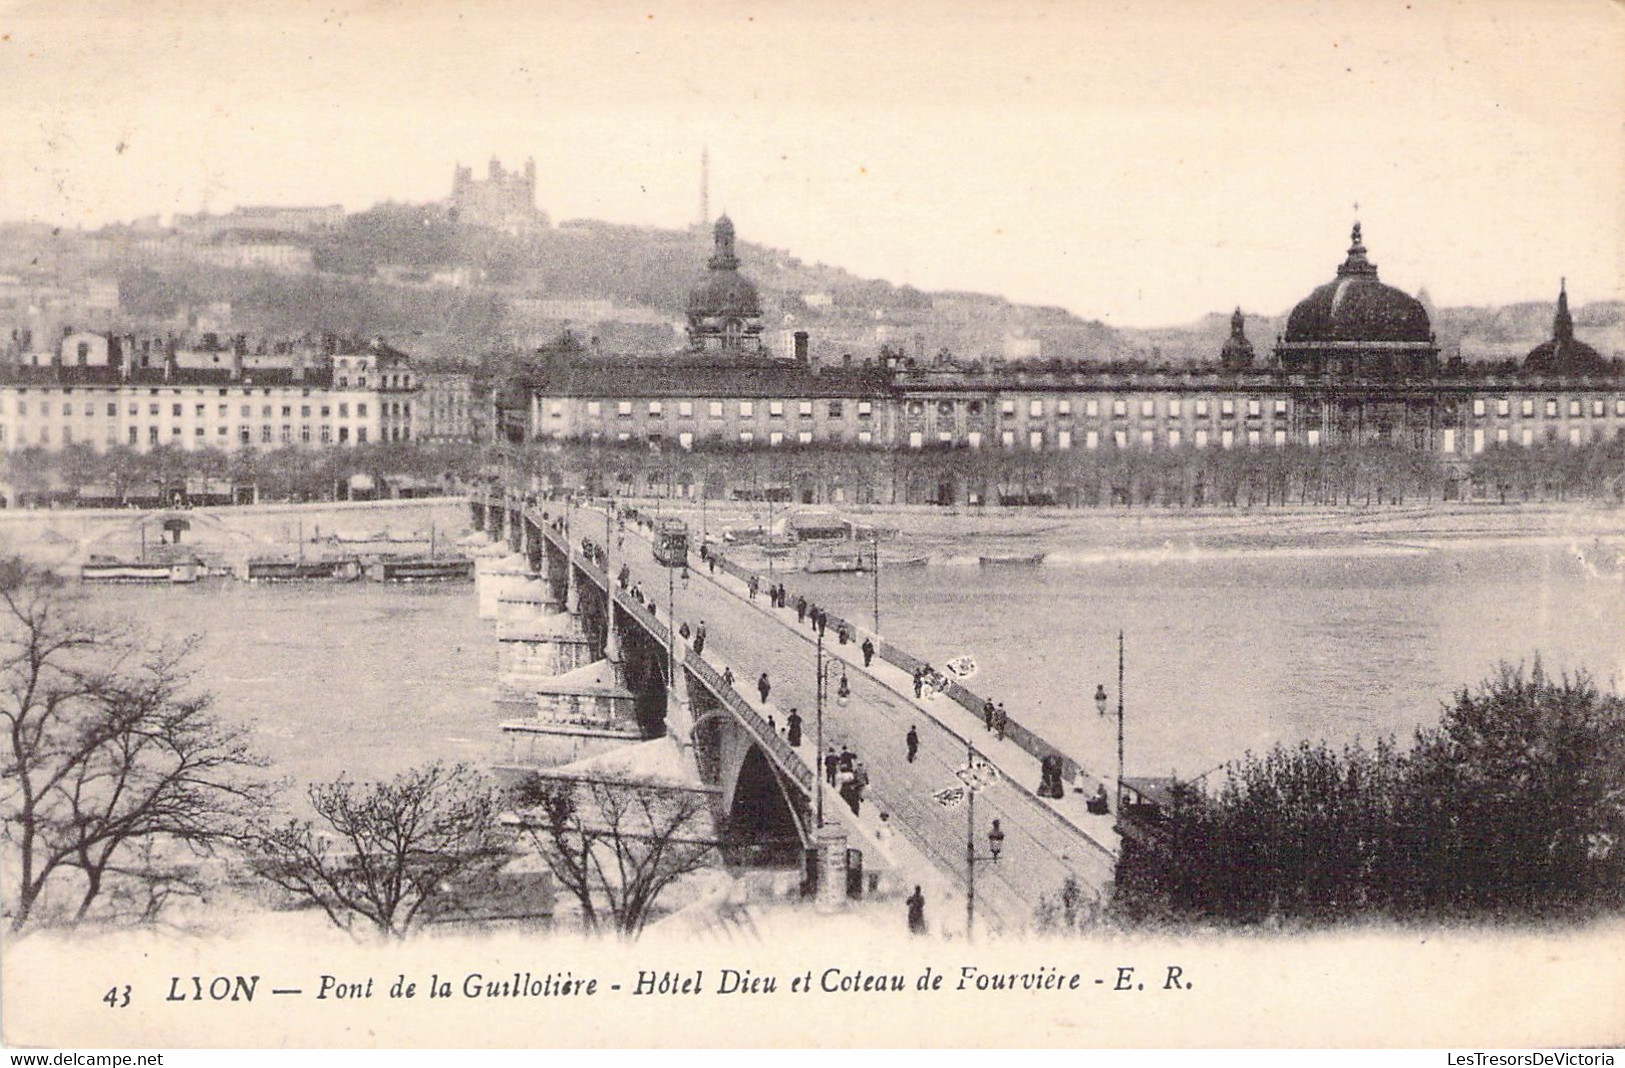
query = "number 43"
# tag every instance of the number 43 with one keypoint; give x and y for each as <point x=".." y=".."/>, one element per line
<point x="118" y="997"/>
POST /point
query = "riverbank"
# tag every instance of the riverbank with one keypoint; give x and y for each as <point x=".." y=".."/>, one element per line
<point x="62" y="538"/>
<point x="1084" y="537"/>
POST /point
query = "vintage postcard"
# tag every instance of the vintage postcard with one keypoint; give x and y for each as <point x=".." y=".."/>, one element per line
<point x="592" y="525"/>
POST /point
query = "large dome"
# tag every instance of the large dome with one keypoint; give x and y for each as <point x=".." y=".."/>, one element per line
<point x="724" y="293"/>
<point x="1356" y="307"/>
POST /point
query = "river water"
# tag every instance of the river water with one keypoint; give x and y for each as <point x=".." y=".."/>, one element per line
<point x="1225" y="653"/>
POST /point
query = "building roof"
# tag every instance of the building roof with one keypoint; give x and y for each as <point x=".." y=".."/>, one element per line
<point x="51" y="377"/>
<point x="1356" y="307"/>
<point x="656" y="378"/>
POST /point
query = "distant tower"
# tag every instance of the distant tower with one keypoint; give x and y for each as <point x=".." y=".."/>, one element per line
<point x="1237" y="354"/>
<point x="705" y="186"/>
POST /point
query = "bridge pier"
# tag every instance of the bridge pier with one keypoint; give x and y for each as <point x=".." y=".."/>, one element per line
<point x="570" y="715"/>
<point x="500" y="577"/>
<point x="572" y="589"/>
<point x="515" y="526"/>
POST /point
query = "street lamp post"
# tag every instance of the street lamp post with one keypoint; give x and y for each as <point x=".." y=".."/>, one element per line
<point x="995" y="841"/>
<point x="818" y="730"/>
<point x="874" y="534"/>
<point x="1119" y="721"/>
<point x="671" y="626"/>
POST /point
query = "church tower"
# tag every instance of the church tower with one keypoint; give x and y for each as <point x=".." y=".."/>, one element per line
<point x="724" y="312"/>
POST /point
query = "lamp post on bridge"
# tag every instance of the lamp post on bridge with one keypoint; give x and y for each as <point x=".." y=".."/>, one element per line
<point x="818" y="732"/>
<point x="830" y="838"/>
<point x="874" y="533"/>
<point x="975" y="777"/>
<point x="1120" y="721"/>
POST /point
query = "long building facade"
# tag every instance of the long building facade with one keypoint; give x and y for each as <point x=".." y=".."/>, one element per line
<point x="103" y="391"/>
<point x="1357" y="365"/>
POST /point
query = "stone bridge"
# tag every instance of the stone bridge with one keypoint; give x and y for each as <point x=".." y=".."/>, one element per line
<point x="592" y="666"/>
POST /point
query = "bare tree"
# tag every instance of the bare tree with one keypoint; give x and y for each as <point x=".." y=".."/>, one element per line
<point x="386" y="853"/>
<point x="111" y="771"/>
<point x="617" y="846"/>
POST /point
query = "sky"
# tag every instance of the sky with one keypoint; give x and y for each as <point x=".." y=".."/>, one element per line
<point x="1141" y="163"/>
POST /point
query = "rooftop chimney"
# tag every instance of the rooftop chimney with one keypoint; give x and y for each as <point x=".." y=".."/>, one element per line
<point x="801" y="346"/>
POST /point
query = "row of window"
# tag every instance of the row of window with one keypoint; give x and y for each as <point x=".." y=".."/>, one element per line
<point x="1036" y="440"/>
<point x="746" y="437"/>
<point x="1039" y="440"/>
<point x="1037" y="408"/>
<point x="175" y="390"/>
<point x="1577" y="408"/>
<point x="1526" y="436"/>
<point x="1120" y="408"/>
<point x="714" y="409"/>
<point x="244" y="435"/>
<point x="89" y="408"/>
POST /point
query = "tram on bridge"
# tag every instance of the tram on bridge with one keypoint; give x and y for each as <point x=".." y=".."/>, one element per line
<point x="671" y="543"/>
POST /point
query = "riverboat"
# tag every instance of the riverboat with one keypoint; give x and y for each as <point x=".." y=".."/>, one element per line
<point x="109" y="569"/>
<point x="1031" y="560"/>
<point x="280" y="569"/>
<point x="834" y="559"/>
<point x="420" y="569"/>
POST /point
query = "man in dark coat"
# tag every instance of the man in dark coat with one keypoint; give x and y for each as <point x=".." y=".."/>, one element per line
<point x="916" y="912"/>
<point x="913" y="742"/>
<point x="792" y="728"/>
<point x="868" y="648"/>
<point x="764" y="687"/>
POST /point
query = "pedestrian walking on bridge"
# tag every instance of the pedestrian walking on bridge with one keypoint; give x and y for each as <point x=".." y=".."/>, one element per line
<point x="912" y="740"/>
<point x="792" y="729"/>
<point x="916" y="912"/>
<point x="832" y="766"/>
<point x="868" y="648"/>
<point x="764" y="687"/>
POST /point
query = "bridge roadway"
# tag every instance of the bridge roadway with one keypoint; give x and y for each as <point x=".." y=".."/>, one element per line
<point x="1041" y="847"/>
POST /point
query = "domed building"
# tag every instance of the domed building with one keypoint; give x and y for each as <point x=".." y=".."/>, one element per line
<point x="1356" y="327"/>
<point x="1564" y="354"/>
<point x="724" y="312"/>
<point x="1237" y="354"/>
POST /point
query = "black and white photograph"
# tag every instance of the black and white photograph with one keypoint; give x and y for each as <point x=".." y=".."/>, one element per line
<point x="1049" y="524"/>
